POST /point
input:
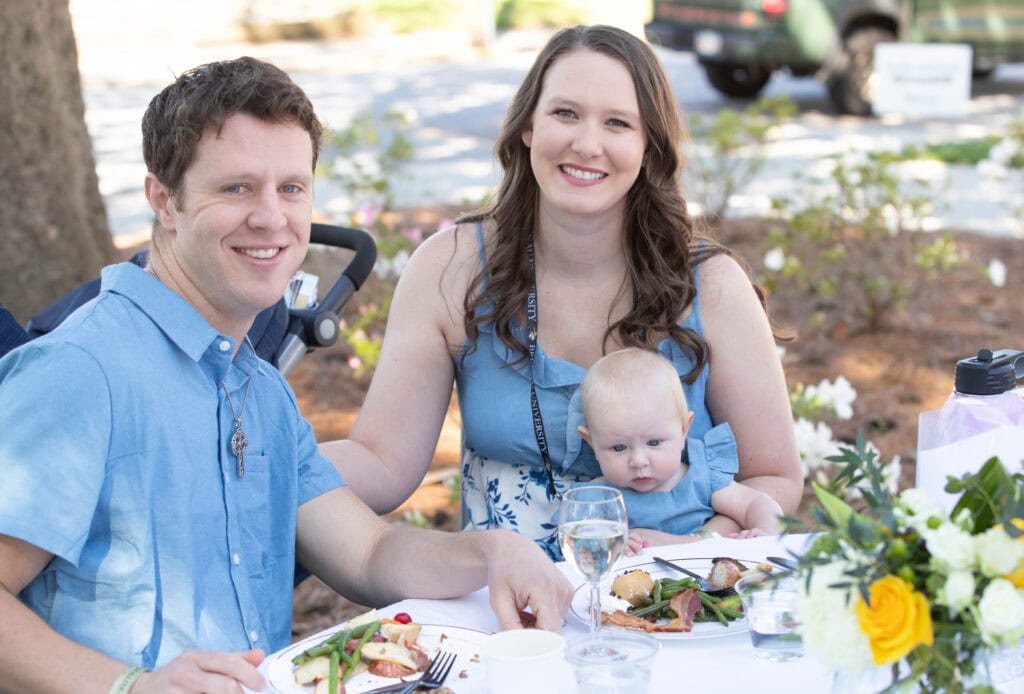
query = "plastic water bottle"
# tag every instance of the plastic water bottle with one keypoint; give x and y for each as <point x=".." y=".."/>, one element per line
<point x="983" y="417"/>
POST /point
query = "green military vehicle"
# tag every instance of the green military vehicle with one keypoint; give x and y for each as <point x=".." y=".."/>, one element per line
<point x="740" y="43"/>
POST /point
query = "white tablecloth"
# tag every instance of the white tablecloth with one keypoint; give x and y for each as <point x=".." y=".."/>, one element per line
<point x="709" y="665"/>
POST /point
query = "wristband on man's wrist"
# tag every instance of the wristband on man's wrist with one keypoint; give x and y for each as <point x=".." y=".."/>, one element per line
<point x="124" y="682"/>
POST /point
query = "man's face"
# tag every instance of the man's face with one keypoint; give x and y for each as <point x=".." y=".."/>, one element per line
<point x="239" y="224"/>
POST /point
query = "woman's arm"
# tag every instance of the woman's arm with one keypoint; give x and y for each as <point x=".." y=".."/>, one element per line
<point x="392" y="442"/>
<point x="748" y="506"/>
<point x="746" y="386"/>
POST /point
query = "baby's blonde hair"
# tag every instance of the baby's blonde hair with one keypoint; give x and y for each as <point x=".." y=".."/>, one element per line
<point x="630" y="372"/>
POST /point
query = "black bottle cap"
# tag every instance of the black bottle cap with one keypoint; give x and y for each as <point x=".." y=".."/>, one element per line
<point x="990" y="373"/>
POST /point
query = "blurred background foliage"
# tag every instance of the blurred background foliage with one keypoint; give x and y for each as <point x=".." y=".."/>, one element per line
<point x="271" y="20"/>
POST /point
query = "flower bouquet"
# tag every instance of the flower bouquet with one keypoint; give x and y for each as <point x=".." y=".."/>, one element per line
<point x="893" y="583"/>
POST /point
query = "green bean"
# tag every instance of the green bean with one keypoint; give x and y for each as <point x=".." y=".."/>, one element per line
<point x="653" y="608"/>
<point x="367" y="635"/>
<point x="710" y="604"/>
<point x="332" y="673"/>
<point x="656" y="592"/>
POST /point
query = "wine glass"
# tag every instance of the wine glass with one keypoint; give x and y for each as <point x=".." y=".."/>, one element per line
<point x="592" y="530"/>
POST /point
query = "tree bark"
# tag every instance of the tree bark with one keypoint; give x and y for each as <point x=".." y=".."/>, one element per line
<point x="53" y="226"/>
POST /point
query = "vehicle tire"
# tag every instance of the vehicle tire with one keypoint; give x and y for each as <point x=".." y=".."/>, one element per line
<point x="982" y="73"/>
<point x="737" y="81"/>
<point x="852" y="90"/>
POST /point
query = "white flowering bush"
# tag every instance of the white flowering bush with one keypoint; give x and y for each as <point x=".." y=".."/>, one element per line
<point x="368" y="159"/>
<point x="817" y="446"/>
<point x="858" y="230"/>
<point x="1004" y="166"/>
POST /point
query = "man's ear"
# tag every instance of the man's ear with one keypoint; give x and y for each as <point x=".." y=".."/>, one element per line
<point x="159" y="197"/>
<point x="584" y="432"/>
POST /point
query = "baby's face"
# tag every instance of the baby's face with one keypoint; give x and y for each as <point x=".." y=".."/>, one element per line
<point x="639" y="442"/>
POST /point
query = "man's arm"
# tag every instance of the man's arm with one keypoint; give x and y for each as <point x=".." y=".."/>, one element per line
<point x="373" y="562"/>
<point x="36" y="659"/>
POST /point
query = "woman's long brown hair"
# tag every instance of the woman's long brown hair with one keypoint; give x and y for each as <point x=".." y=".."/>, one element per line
<point x="661" y="246"/>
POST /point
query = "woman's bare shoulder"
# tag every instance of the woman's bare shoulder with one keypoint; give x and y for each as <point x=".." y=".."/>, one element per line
<point x="723" y="281"/>
<point x="451" y="254"/>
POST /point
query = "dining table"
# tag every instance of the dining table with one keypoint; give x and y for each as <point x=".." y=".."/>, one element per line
<point x="721" y="662"/>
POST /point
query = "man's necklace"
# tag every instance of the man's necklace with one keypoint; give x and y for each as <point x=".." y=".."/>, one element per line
<point x="239" y="441"/>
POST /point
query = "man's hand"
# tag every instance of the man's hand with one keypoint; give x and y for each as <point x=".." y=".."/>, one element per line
<point x="520" y="575"/>
<point x="205" y="671"/>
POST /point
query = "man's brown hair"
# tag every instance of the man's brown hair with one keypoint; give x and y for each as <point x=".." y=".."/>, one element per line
<point x="205" y="97"/>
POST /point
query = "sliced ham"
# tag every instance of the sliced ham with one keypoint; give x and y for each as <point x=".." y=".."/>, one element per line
<point x="685" y="603"/>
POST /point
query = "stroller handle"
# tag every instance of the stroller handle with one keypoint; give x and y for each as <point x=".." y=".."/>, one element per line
<point x="318" y="327"/>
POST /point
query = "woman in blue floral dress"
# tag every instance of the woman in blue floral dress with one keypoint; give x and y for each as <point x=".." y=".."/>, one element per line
<point x="586" y="247"/>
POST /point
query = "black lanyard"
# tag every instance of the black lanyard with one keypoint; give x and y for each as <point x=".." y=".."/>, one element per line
<point x="531" y="334"/>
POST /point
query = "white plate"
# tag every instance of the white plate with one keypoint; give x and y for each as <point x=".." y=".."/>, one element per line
<point x="467" y="675"/>
<point x="701" y="630"/>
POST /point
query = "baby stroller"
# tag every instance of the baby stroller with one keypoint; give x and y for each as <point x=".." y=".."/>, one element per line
<point x="280" y="334"/>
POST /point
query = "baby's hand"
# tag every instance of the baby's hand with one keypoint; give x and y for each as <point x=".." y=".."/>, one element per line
<point x="746" y="534"/>
<point x="635" y="544"/>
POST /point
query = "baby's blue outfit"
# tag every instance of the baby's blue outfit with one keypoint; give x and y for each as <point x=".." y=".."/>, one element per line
<point x="504" y="484"/>
<point x="686" y="508"/>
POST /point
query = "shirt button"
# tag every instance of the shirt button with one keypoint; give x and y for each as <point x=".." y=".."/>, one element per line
<point x="254" y="635"/>
<point x="235" y="559"/>
<point x="225" y="345"/>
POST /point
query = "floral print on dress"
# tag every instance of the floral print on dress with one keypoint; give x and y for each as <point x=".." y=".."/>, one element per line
<point x="513" y="497"/>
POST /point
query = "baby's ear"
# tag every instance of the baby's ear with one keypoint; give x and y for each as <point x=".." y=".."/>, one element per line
<point x="584" y="432"/>
<point x="688" y="421"/>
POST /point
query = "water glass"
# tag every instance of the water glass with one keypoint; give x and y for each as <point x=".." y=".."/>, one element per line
<point x="769" y="603"/>
<point x="612" y="662"/>
<point x="592" y="530"/>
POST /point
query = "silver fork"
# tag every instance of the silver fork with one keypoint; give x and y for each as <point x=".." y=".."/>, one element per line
<point x="432" y="678"/>
<point x="435" y="675"/>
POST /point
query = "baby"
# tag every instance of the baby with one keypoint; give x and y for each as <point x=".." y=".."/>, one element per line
<point x="636" y="420"/>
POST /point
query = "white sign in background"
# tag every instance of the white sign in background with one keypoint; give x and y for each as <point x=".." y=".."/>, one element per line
<point x="922" y="79"/>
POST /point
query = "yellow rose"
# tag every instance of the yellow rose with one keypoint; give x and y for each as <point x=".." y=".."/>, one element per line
<point x="897" y="622"/>
<point x="1016" y="577"/>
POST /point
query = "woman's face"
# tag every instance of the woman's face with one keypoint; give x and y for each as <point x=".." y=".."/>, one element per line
<point x="586" y="138"/>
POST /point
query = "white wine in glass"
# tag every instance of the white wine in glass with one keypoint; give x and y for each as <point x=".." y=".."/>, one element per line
<point x="592" y="530"/>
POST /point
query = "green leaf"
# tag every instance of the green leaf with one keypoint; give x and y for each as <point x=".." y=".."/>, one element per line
<point x="838" y="510"/>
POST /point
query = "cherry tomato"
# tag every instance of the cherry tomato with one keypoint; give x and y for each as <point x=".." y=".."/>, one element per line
<point x="403" y="618"/>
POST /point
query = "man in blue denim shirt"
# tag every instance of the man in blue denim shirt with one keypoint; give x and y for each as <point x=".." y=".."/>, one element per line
<point x="158" y="480"/>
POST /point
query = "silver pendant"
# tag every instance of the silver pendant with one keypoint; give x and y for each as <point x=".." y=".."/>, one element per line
<point x="238" y="445"/>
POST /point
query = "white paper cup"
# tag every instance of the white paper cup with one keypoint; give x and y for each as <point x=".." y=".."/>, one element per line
<point x="525" y="660"/>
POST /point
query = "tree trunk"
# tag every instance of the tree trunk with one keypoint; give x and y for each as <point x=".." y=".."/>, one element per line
<point x="53" y="227"/>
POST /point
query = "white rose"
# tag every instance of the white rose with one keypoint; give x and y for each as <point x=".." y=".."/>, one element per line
<point x="951" y="547"/>
<point x="914" y="507"/>
<point x="828" y="621"/>
<point x="997" y="552"/>
<point x="958" y="592"/>
<point x="1001" y="612"/>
